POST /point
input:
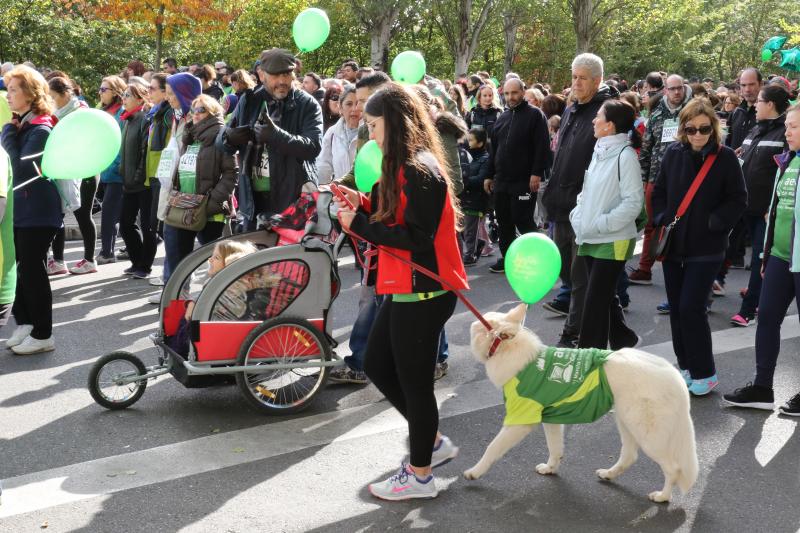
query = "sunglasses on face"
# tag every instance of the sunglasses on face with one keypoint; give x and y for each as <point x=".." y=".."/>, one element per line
<point x="101" y="90"/>
<point x="197" y="110"/>
<point x="702" y="130"/>
<point x="335" y="97"/>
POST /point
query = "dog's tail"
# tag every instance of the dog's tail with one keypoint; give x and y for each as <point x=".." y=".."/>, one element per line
<point x="685" y="453"/>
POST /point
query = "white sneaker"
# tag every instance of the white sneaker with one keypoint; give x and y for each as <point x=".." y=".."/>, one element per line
<point x="31" y="345"/>
<point x="156" y="281"/>
<point x="83" y="267"/>
<point x="19" y="335"/>
<point x="444" y="453"/>
<point x="403" y="486"/>
<point x="154" y="299"/>
<point x="55" y="268"/>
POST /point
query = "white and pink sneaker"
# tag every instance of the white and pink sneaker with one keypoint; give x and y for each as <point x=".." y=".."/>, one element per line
<point x="403" y="486"/>
<point x="55" y="268"/>
<point x="83" y="267"/>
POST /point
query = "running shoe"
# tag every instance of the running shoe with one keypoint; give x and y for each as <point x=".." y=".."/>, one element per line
<point x="499" y="267"/>
<point x="718" y="289"/>
<point x="346" y="374"/>
<point x="445" y="452"/>
<point x="103" y="260"/>
<point x="55" y="268"/>
<point x="440" y="371"/>
<point x="156" y="281"/>
<point x="404" y="486"/>
<point x="701" y="387"/>
<point x="640" y="277"/>
<point x="792" y="407"/>
<point x="687" y="377"/>
<point x="83" y="267"/>
<point x="741" y="321"/>
<point x="557" y="307"/>
<point x="663" y="308"/>
<point x="751" y="396"/>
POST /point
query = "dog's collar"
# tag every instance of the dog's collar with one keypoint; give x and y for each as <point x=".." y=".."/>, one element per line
<point x="498" y="338"/>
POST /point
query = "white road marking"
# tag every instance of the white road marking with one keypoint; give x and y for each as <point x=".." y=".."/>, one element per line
<point x="82" y="481"/>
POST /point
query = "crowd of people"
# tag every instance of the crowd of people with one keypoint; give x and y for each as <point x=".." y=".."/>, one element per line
<point x="468" y="166"/>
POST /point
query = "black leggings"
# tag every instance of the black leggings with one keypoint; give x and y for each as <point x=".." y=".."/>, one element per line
<point x="85" y="222"/>
<point x="400" y="360"/>
<point x="603" y="322"/>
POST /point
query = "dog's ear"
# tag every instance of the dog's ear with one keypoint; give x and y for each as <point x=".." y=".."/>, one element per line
<point x="518" y="314"/>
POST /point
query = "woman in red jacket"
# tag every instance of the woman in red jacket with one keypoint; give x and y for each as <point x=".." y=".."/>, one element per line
<point x="412" y="214"/>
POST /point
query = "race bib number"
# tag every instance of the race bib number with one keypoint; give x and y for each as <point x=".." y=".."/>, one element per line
<point x="261" y="174"/>
<point x="670" y="131"/>
<point x="166" y="164"/>
<point x="188" y="161"/>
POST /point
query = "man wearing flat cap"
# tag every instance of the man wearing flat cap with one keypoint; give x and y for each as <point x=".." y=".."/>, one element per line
<point x="277" y="131"/>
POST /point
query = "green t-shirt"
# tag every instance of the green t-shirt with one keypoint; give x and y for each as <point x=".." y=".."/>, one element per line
<point x="784" y="215"/>
<point x="562" y="386"/>
<point x="8" y="258"/>
<point x="617" y="250"/>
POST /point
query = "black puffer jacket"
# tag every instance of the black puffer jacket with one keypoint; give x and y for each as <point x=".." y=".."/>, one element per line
<point x="763" y="143"/>
<point x="574" y="153"/>
<point x="216" y="170"/>
<point x="740" y="123"/>
<point x="519" y="149"/>
<point x="133" y="153"/>
<point x="474" y="198"/>
<point x="483" y="118"/>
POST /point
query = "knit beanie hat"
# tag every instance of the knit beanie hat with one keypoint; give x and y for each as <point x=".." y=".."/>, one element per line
<point x="186" y="87"/>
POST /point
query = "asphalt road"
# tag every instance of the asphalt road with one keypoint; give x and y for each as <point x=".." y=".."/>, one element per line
<point x="202" y="460"/>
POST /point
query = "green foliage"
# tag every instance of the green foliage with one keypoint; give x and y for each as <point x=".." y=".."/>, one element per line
<point x="694" y="37"/>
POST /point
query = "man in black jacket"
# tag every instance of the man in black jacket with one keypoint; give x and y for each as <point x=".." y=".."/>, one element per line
<point x="518" y="156"/>
<point x="574" y="153"/>
<point x="743" y="117"/>
<point x="279" y="133"/>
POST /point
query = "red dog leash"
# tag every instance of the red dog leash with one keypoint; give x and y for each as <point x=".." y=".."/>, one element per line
<point x="498" y="337"/>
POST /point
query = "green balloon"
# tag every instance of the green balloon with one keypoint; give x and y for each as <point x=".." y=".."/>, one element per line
<point x="408" y="67"/>
<point x="766" y="55"/>
<point x="5" y="111"/>
<point x="82" y="144"/>
<point x="368" y="166"/>
<point x="310" y="29"/>
<point x="789" y="59"/>
<point x="532" y="266"/>
<point x="496" y="82"/>
<point x="775" y="43"/>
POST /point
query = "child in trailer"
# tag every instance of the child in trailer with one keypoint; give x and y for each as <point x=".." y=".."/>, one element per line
<point x="225" y="253"/>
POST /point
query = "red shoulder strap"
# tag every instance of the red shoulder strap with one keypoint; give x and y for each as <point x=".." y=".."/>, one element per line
<point x="698" y="180"/>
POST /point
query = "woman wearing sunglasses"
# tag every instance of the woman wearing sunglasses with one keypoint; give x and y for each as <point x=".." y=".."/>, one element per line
<point x="331" y="112"/>
<point x="699" y="238"/>
<point x="111" y="90"/>
<point x="202" y="169"/>
<point x="137" y="195"/>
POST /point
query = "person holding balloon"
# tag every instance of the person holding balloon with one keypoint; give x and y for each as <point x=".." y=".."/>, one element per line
<point x="111" y="90"/>
<point x="137" y="195"/>
<point x="412" y="213"/>
<point x="37" y="208"/>
<point x="604" y="222"/>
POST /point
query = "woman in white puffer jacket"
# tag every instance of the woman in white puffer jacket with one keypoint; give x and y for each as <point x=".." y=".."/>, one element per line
<point x="340" y="141"/>
<point x="604" y="221"/>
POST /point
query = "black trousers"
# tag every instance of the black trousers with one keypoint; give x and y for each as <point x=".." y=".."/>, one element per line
<point x="400" y="360"/>
<point x="83" y="215"/>
<point x="33" y="303"/>
<point x="603" y="321"/>
<point x="140" y="240"/>
<point x="514" y="213"/>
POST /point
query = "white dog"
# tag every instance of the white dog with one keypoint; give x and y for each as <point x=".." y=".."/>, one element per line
<point x="650" y="400"/>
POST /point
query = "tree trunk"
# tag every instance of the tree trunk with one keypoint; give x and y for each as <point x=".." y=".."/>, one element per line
<point x="466" y="41"/>
<point x="380" y="34"/>
<point x="510" y="31"/>
<point x="582" y="11"/>
<point x="159" y="37"/>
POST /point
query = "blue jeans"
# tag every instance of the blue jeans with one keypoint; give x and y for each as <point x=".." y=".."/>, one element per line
<point x="444" y="348"/>
<point x="688" y="285"/>
<point x="109" y="218"/>
<point x="757" y="226"/>
<point x="368" y="304"/>
<point x="178" y="243"/>
<point x="778" y="289"/>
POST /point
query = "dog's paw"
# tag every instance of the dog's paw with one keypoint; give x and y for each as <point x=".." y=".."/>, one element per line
<point x="472" y="473"/>
<point x="605" y="473"/>
<point x="545" y="469"/>
<point x="659" y="496"/>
